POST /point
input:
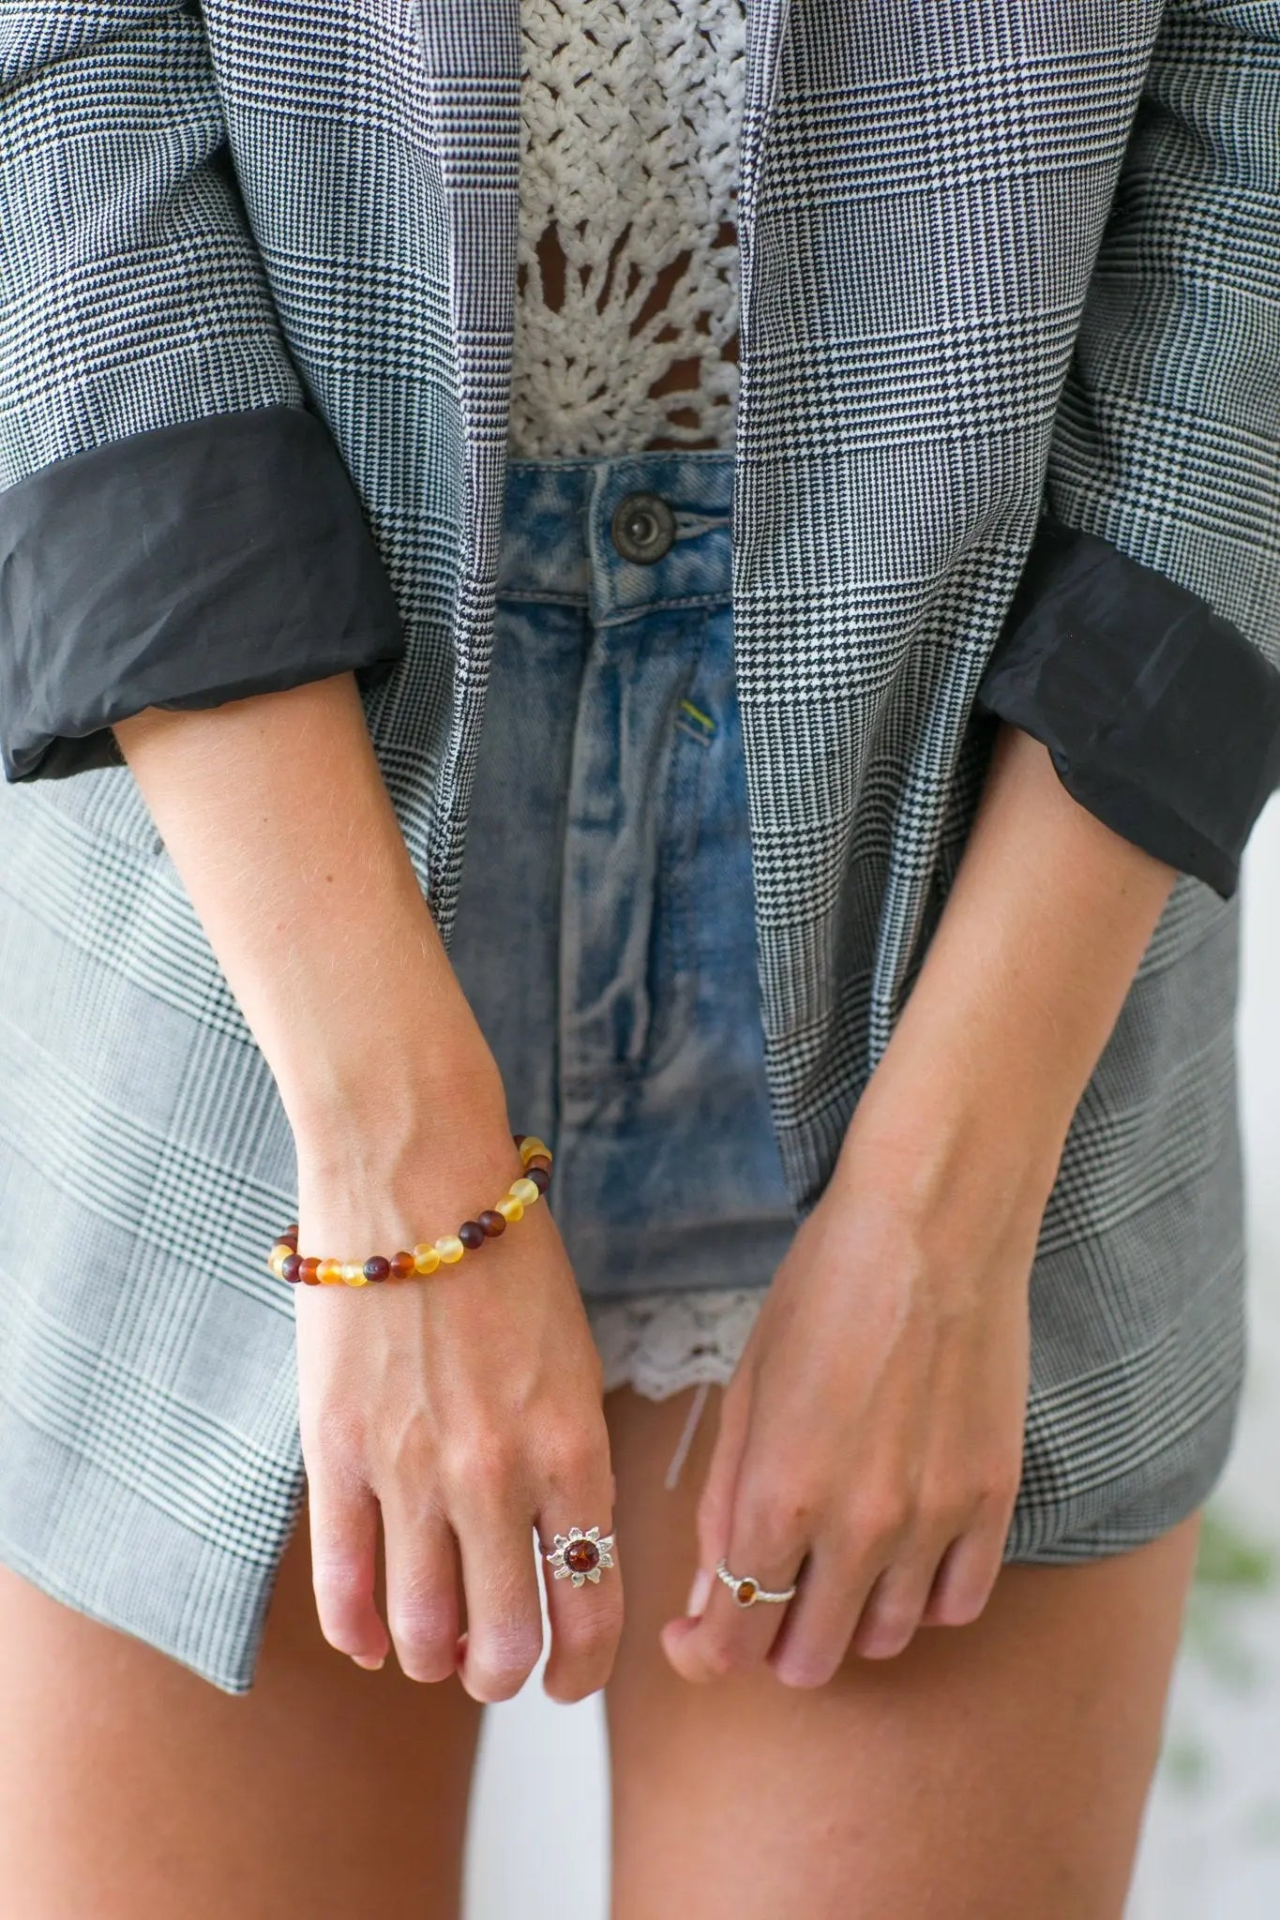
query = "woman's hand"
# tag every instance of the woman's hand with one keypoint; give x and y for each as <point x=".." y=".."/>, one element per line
<point x="871" y="1437"/>
<point x="870" y="1441"/>
<point x="465" y="1408"/>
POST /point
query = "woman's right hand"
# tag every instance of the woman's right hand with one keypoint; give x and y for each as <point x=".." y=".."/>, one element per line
<point x="465" y="1407"/>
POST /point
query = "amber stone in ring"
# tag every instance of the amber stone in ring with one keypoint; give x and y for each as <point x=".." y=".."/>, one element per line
<point x="580" y="1556"/>
<point x="746" y="1592"/>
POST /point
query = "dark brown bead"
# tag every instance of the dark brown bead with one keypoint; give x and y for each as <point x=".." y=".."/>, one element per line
<point x="539" y="1176"/>
<point x="291" y="1231"/>
<point x="291" y="1267"/>
<point x="471" y="1234"/>
<point x="539" y="1160"/>
<point x="309" y="1273"/>
<point x="377" y="1268"/>
<point x="401" y="1265"/>
<point x="493" y="1223"/>
<point x="519" y="1137"/>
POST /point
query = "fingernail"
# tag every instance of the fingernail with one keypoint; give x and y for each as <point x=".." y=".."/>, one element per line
<point x="699" y="1594"/>
<point x="370" y="1666"/>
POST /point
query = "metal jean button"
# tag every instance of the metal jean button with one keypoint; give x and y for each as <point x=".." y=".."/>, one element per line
<point x="643" y="527"/>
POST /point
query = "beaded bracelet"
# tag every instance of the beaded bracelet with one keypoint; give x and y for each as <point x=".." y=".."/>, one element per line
<point x="286" y="1263"/>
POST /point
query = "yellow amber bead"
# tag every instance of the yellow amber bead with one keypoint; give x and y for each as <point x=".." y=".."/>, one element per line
<point x="275" y="1260"/>
<point x="531" y="1145"/>
<point x="425" y="1258"/>
<point x="525" y="1191"/>
<point x="352" y="1273"/>
<point x="510" y="1208"/>
<point x="329" y="1273"/>
<point x="450" y="1248"/>
<point x="359" y="1278"/>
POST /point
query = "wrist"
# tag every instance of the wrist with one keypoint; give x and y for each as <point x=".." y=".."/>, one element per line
<point x="935" y="1140"/>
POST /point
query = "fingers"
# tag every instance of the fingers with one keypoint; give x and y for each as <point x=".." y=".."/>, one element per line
<point x="422" y="1591"/>
<point x="734" y="1633"/>
<point x="585" y="1612"/>
<point x="762" y="1535"/>
<point x="503" y="1640"/>
<point x="343" y="1517"/>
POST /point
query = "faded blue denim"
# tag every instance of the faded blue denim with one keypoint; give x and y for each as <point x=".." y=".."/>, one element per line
<point x="606" y="930"/>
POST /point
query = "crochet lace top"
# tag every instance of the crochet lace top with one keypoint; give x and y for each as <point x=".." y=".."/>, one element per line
<point x="627" y="288"/>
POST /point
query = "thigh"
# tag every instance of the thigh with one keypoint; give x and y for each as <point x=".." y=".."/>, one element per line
<point x="988" y="1772"/>
<point x="128" y="1786"/>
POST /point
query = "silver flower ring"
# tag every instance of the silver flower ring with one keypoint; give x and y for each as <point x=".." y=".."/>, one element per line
<point x="580" y="1556"/>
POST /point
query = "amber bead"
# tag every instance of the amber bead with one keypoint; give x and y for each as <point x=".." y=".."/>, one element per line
<point x="471" y="1234"/>
<point x="330" y="1274"/>
<point x="450" y="1248"/>
<point x="525" y="1190"/>
<point x="510" y="1208"/>
<point x="538" y="1160"/>
<point x="425" y="1258"/>
<point x="377" y="1268"/>
<point x="492" y="1222"/>
<point x="291" y="1269"/>
<point x="310" y="1273"/>
<point x="291" y="1231"/>
<point x="540" y="1178"/>
<point x="401" y="1265"/>
<point x="519" y="1138"/>
<point x="531" y="1146"/>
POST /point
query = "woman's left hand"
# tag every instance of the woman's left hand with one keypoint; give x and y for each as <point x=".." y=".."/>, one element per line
<point x="870" y="1441"/>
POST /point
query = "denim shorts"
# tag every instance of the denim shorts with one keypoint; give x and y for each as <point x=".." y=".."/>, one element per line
<point x="606" y="926"/>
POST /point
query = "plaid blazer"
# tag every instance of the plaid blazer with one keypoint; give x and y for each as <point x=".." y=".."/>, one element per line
<point x="1007" y="445"/>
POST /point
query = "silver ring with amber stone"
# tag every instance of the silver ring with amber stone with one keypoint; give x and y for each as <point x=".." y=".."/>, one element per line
<point x="580" y="1556"/>
<point x="746" y="1591"/>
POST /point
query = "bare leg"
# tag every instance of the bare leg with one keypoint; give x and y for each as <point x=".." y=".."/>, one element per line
<point x="131" y="1788"/>
<point x="989" y="1772"/>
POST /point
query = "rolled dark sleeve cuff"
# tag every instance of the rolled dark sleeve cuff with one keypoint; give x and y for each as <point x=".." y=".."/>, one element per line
<point x="181" y="568"/>
<point x="1160" y="716"/>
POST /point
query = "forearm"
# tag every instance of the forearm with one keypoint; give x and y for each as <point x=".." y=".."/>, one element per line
<point x="1045" y="923"/>
<point x="275" y="813"/>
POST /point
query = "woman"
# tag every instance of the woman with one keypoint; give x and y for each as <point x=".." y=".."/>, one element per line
<point x="866" y="958"/>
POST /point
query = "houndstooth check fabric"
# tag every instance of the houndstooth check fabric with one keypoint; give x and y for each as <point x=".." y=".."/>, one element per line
<point x="993" y="256"/>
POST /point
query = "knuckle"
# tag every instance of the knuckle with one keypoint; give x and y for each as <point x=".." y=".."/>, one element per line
<point x="886" y="1632"/>
<point x="883" y="1518"/>
<point x="485" y="1463"/>
<point x="779" y="1516"/>
<point x="421" y="1623"/>
<point x="803" y="1669"/>
<point x="501" y="1667"/>
<point x="340" y="1583"/>
<point x="724" y="1659"/>
<point x="572" y="1456"/>
<point x="333" y="1435"/>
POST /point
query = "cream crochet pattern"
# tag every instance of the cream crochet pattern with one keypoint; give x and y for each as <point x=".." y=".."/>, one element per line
<point x="630" y="113"/>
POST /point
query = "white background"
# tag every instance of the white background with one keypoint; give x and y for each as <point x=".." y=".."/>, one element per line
<point x="1211" y="1849"/>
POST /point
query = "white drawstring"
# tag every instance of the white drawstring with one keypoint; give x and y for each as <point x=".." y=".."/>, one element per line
<point x="681" y="1453"/>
